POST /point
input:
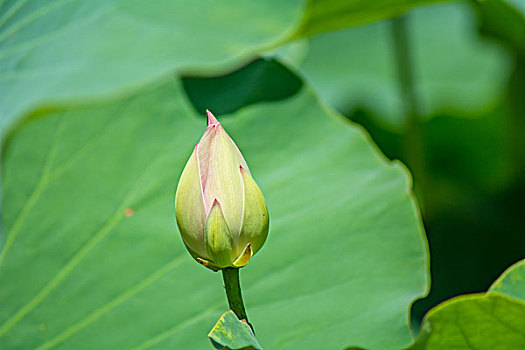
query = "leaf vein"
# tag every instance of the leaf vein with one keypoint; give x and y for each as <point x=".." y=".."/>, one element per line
<point x="12" y="11"/>
<point x="177" y="328"/>
<point x="42" y="11"/>
<point x="130" y="292"/>
<point x="492" y="314"/>
<point x="35" y="194"/>
<point x="79" y="256"/>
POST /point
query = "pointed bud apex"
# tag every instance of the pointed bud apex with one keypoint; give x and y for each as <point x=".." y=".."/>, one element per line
<point x="211" y="118"/>
<point x="220" y="210"/>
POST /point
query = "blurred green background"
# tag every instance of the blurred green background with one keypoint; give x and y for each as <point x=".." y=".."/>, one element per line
<point x="458" y="124"/>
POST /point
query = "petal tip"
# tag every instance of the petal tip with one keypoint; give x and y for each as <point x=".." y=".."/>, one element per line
<point x="211" y="118"/>
<point x="245" y="257"/>
<point x="244" y="170"/>
<point x="207" y="264"/>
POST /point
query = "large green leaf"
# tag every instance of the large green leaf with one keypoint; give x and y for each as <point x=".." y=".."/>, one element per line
<point x="92" y="257"/>
<point x="71" y="51"/>
<point x="455" y="70"/>
<point x="484" y="322"/>
<point x="67" y="51"/>
<point x="491" y="321"/>
<point x="325" y="15"/>
<point x="512" y="282"/>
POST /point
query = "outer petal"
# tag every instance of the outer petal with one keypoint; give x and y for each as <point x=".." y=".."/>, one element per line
<point x="189" y="208"/>
<point x="219" y="241"/>
<point x="245" y="257"/>
<point x="219" y="160"/>
<point x="255" y="221"/>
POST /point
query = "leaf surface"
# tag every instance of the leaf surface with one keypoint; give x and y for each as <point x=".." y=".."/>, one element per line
<point x="327" y="15"/>
<point x="493" y="320"/>
<point x="231" y="333"/>
<point x="512" y="282"/>
<point x="69" y="52"/>
<point x="92" y="257"/>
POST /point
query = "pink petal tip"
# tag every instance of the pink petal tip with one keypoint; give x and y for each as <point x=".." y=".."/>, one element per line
<point x="211" y="118"/>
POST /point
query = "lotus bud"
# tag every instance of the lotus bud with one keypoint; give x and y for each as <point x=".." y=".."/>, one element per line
<point x="221" y="212"/>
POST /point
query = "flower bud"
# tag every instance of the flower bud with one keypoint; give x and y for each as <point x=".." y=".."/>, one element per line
<point x="220" y="210"/>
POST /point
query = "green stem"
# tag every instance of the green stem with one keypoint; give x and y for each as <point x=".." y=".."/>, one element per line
<point x="413" y="140"/>
<point x="230" y="275"/>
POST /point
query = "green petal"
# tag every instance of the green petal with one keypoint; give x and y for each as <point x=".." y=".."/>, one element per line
<point x="189" y="208"/>
<point x="219" y="241"/>
<point x="255" y="220"/>
<point x="208" y="264"/>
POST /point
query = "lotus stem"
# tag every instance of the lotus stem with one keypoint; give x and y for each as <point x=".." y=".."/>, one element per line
<point x="230" y="275"/>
